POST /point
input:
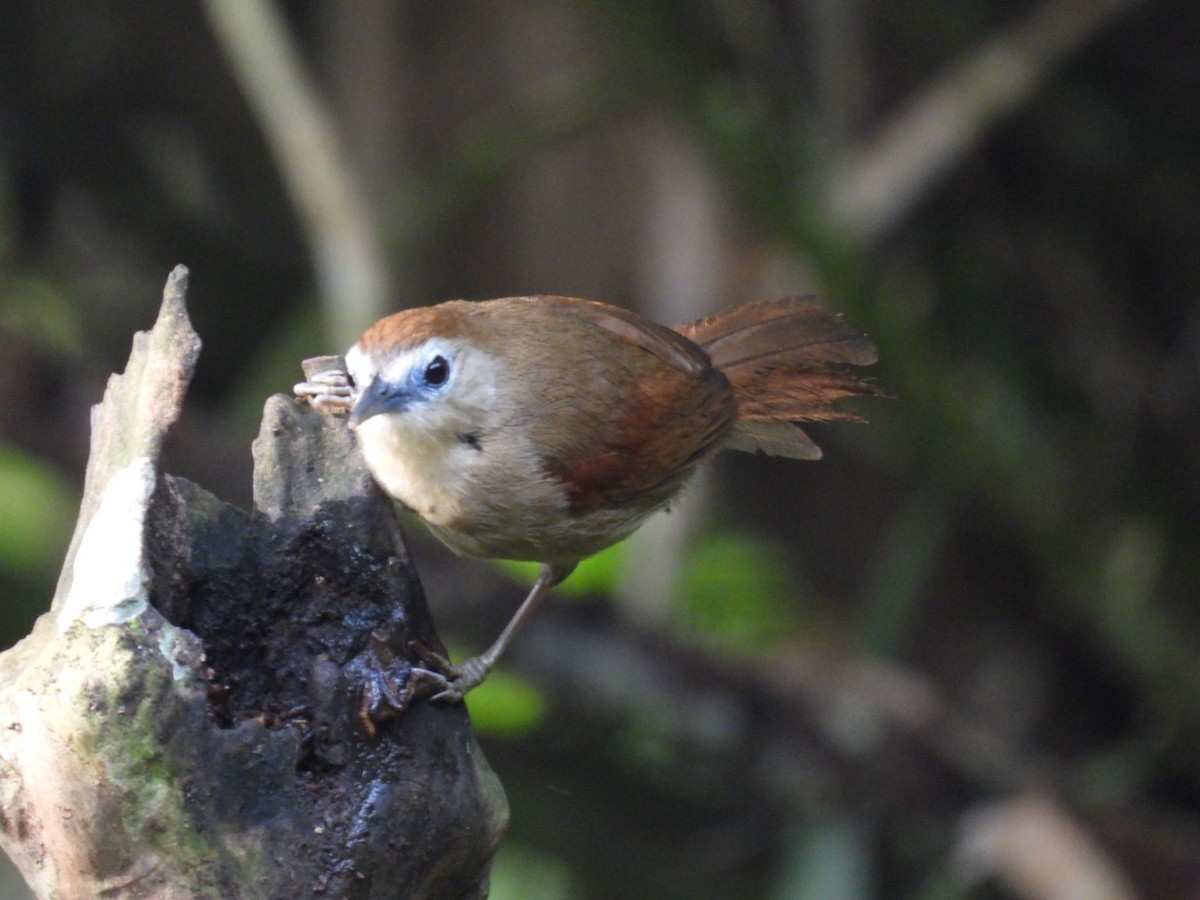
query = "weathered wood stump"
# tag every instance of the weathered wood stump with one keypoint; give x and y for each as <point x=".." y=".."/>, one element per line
<point x="184" y="721"/>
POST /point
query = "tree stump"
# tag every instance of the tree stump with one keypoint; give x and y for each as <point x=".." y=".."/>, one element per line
<point x="184" y="721"/>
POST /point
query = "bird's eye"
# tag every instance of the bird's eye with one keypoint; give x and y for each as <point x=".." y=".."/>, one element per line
<point x="437" y="371"/>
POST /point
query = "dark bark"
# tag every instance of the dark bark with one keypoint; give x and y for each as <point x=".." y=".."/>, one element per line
<point x="184" y="723"/>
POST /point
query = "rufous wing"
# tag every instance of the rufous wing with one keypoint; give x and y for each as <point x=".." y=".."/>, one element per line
<point x="667" y="408"/>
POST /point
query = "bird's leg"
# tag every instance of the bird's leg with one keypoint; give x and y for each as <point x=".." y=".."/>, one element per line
<point x="330" y="392"/>
<point x="455" y="681"/>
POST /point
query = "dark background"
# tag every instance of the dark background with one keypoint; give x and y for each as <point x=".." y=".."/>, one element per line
<point x="958" y="656"/>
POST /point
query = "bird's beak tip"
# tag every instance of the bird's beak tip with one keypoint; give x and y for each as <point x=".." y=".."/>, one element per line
<point x="375" y="399"/>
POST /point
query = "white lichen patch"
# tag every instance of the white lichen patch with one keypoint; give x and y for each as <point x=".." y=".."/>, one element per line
<point x="110" y="579"/>
<point x="177" y="652"/>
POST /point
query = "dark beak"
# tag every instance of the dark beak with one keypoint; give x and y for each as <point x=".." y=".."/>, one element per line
<point x="378" y="397"/>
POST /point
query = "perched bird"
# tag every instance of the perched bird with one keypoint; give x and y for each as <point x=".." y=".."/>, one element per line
<point x="548" y="428"/>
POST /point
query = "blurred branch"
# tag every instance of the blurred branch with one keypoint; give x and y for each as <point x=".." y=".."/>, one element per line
<point x="836" y="39"/>
<point x="877" y="186"/>
<point x="1039" y="850"/>
<point x="353" y="278"/>
<point x="681" y="270"/>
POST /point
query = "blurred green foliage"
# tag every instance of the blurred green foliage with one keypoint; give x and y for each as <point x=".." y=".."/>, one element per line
<point x="40" y="315"/>
<point x="830" y="858"/>
<point x="37" y="510"/>
<point x="736" y="592"/>
<point x="506" y="706"/>
<point x="733" y="590"/>
<point x="520" y="873"/>
<point x="596" y="576"/>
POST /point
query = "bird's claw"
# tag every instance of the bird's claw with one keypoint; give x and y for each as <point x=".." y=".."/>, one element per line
<point x="451" y="682"/>
<point x="392" y="685"/>
<point x="445" y="687"/>
<point x="330" y="392"/>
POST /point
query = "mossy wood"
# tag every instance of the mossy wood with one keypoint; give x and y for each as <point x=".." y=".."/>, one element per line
<point x="182" y="723"/>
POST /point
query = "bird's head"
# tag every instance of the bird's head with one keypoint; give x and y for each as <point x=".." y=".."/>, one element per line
<point x="422" y="371"/>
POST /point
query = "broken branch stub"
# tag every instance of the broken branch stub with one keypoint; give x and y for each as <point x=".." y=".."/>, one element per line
<point x="183" y="722"/>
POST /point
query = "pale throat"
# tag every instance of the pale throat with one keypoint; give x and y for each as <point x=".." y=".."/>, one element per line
<point x="423" y="471"/>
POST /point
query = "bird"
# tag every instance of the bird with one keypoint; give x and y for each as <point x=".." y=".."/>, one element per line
<point x="547" y="428"/>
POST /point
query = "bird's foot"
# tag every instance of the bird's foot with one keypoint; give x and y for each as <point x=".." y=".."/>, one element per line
<point x="330" y="392"/>
<point x="391" y="685"/>
<point x="449" y="681"/>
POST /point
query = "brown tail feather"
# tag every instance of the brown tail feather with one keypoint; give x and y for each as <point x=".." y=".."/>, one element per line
<point x="777" y="357"/>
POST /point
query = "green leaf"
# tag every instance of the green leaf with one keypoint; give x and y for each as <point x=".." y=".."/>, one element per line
<point x="37" y="509"/>
<point x="506" y="706"/>
<point x="596" y="575"/>
<point x="519" y="873"/>
<point x="735" y="589"/>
